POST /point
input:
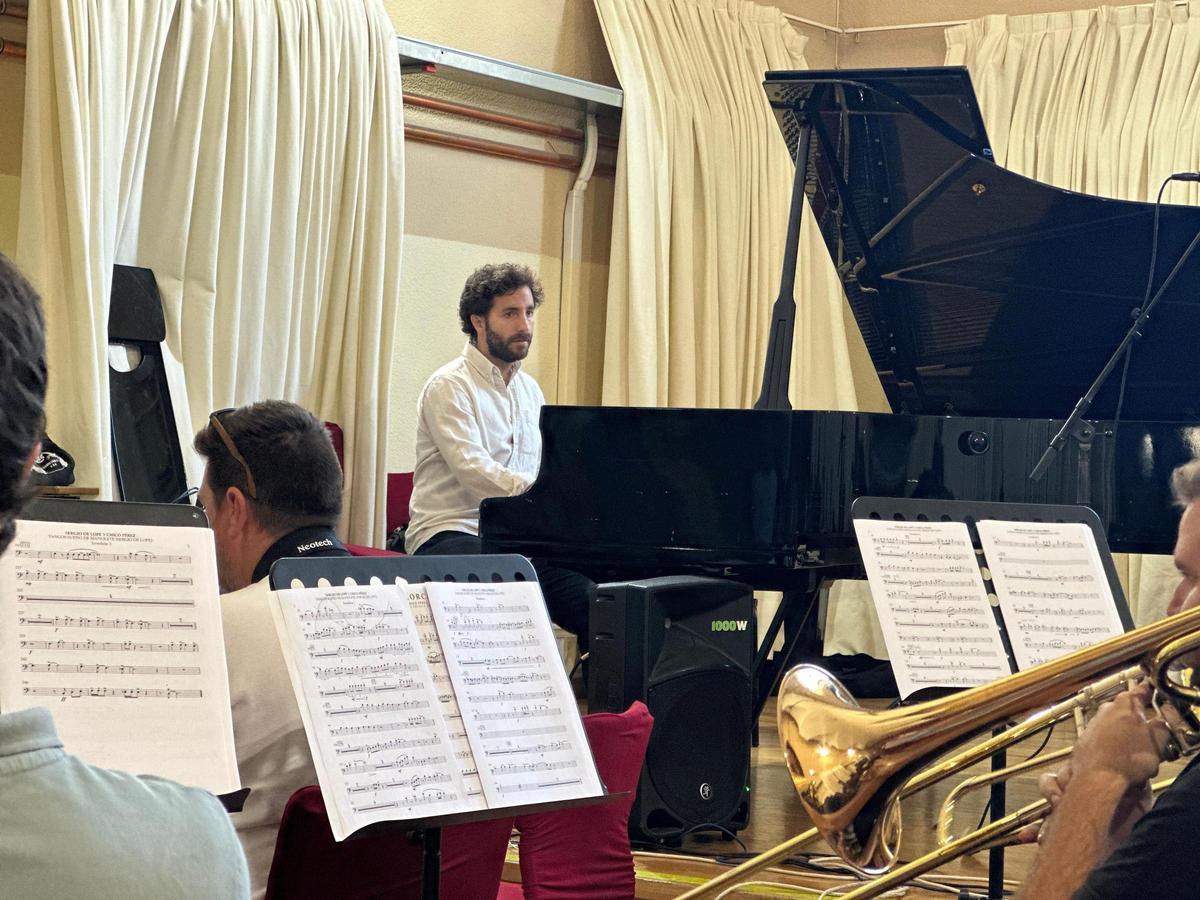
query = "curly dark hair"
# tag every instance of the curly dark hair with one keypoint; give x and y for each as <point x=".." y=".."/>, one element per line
<point x="23" y="397"/>
<point x="489" y="282"/>
<point x="296" y="473"/>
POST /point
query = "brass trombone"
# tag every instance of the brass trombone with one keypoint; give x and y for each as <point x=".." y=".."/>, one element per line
<point x="851" y="766"/>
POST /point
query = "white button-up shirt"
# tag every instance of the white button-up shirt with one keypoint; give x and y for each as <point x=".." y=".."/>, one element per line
<point x="477" y="437"/>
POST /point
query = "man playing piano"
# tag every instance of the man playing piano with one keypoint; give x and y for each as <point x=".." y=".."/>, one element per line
<point x="69" y="829"/>
<point x="1101" y="843"/>
<point x="478" y="436"/>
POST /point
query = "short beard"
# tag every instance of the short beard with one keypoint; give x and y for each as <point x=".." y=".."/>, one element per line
<point x="500" y="350"/>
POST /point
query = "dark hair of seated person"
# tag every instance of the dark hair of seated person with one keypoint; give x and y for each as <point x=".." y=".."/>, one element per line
<point x="23" y="391"/>
<point x="297" y="478"/>
<point x="489" y="282"/>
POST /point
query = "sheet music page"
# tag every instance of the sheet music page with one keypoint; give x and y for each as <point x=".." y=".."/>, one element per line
<point x="370" y="709"/>
<point x="117" y="630"/>
<point x="516" y="701"/>
<point x="932" y="604"/>
<point x="418" y="601"/>
<point x="1054" y="593"/>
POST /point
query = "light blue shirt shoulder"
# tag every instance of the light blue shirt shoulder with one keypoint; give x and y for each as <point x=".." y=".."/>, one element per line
<point x="69" y="829"/>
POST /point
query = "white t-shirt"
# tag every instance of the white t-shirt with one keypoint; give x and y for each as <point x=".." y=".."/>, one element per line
<point x="272" y="749"/>
<point x="477" y="437"/>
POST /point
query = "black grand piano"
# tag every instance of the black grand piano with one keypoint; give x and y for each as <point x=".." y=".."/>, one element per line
<point x="988" y="302"/>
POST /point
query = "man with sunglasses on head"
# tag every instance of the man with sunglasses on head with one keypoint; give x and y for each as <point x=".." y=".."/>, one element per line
<point x="272" y="489"/>
<point x="69" y="829"/>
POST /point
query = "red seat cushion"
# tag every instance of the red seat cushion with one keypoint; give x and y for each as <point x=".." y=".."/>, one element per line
<point x="576" y="854"/>
<point x="310" y="865"/>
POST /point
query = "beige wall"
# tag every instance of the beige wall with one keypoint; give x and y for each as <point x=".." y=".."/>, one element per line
<point x="561" y="36"/>
<point x="12" y="114"/>
<point x="463" y="209"/>
<point x="919" y="47"/>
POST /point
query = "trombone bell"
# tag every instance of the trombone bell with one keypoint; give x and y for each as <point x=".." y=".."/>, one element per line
<point x="835" y="768"/>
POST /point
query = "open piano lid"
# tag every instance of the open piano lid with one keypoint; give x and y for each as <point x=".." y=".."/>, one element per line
<point x="980" y="291"/>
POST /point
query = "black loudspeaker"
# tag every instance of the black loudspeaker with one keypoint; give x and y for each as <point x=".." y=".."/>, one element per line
<point x="685" y="646"/>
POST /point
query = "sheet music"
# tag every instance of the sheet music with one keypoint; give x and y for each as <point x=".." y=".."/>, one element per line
<point x="1054" y="593"/>
<point x="418" y="601"/>
<point x="369" y="705"/>
<point x="517" y="703"/>
<point x="932" y="604"/>
<point x="117" y="629"/>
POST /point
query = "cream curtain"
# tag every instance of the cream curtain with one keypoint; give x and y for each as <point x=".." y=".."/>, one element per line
<point x="250" y="153"/>
<point x="700" y="214"/>
<point x="1104" y="101"/>
<point x="699" y="220"/>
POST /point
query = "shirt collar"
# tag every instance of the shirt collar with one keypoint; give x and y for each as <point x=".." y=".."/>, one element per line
<point x="26" y="731"/>
<point x="484" y="366"/>
<point x="316" y="540"/>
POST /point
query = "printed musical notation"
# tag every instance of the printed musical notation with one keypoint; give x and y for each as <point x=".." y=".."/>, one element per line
<point x="124" y="693"/>
<point x="31" y="576"/>
<point x="491" y="639"/>
<point x="935" y="616"/>
<point x="418" y="601"/>
<point x="123" y="646"/>
<point x="146" y="692"/>
<point x="367" y="695"/>
<point x="1053" y="590"/>
<point x="56" y="622"/>
<point x="88" y="554"/>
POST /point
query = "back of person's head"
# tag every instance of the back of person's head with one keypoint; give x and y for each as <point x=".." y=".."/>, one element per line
<point x="297" y="479"/>
<point x="491" y="281"/>
<point x="22" y="391"/>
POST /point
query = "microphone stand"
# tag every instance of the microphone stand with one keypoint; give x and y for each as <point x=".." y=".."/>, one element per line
<point x="1075" y="426"/>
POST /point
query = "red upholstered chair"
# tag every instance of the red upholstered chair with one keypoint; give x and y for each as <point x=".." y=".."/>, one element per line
<point x="338" y="439"/>
<point x="583" y="853"/>
<point x="310" y="865"/>
<point x="399" y="492"/>
<point x="360" y="550"/>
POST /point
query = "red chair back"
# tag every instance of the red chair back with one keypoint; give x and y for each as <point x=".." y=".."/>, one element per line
<point x="399" y="492"/>
<point x="310" y="865"/>
<point x="360" y="550"/>
<point x="339" y="442"/>
<point x="577" y="854"/>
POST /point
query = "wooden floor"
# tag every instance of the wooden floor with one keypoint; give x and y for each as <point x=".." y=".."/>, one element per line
<point x="776" y="815"/>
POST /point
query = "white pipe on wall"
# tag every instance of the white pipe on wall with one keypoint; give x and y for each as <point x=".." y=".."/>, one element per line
<point x="570" y="355"/>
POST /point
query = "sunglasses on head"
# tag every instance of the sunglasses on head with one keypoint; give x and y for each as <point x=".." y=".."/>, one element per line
<point x="214" y="420"/>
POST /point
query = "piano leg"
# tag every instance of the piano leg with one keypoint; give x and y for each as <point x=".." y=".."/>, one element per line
<point x="797" y="618"/>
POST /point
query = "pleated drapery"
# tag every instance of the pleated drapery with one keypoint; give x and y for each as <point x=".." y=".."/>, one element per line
<point x="250" y="154"/>
<point x="700" y="213"/>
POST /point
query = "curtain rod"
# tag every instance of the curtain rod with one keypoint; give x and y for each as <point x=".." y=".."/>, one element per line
<point x="825" y="26"/>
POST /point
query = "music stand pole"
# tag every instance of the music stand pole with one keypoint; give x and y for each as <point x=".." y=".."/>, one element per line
<point x="431" y="864"/>
<point x="1075" y="424"/>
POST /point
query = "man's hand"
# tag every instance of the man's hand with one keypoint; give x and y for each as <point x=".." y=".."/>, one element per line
<point x="1120" y="743"/>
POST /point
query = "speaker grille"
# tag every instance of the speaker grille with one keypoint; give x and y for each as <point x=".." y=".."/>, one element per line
<point x="699" y="752"/>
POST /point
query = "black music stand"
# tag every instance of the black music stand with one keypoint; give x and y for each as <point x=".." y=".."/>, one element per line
<point x="105" y="512"/>
<point x="290" y="573"/>
<point x="907" y="509"/>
